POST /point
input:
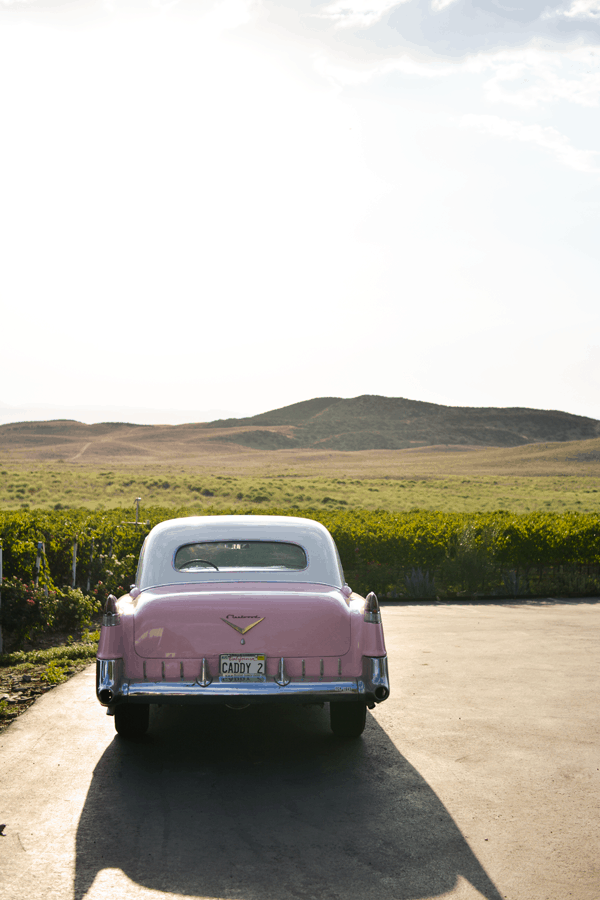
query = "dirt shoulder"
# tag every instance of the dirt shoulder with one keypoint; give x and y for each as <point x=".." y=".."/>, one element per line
<point x="27" y="674"/>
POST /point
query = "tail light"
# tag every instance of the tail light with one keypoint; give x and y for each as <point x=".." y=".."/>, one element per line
<point x="111" y="611"/>
<point x="372" y="613"/>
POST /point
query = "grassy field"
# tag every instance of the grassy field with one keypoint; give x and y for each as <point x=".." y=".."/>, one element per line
<point x="169" y="471"/>
<point x="64" y="485"/>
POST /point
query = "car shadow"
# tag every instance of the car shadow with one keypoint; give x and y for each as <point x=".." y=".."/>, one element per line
<point x="266" y="803"/>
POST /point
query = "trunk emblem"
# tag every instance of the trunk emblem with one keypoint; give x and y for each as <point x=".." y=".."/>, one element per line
<point x="242" y="630"/>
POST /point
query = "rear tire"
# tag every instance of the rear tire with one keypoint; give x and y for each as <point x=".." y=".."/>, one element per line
<point x="348" y="719"/>
<point x="132" y="721"/>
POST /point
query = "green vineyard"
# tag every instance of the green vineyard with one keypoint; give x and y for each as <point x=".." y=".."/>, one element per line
<point x="417" y="554"/>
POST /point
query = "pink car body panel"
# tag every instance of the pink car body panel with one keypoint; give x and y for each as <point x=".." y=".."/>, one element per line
<point x="300" y="622"/>
<point x="165" y="641"/>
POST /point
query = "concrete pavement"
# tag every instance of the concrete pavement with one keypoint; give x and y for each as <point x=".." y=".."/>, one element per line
<point x="478" y="778"/>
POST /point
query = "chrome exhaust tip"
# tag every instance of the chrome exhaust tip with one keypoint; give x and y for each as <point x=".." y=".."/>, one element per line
<point x="105" y="696"/>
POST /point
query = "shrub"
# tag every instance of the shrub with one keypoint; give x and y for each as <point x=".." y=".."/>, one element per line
<point x="54" y="672"/>
<point x="22" y="612"/>
<point x="33" y="657"/>
<point x="26" y="610"/>
<point x="70" y="609"/>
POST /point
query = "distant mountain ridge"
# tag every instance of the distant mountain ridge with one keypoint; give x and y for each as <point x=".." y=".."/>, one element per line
<point x="368" y="422"/>
<point x="372" y="422"/>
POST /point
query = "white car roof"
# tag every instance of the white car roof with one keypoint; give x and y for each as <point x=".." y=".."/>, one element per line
<point x="156" y="566"/>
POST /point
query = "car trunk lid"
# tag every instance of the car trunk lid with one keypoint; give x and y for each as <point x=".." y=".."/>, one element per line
<point x="278" y="620"/>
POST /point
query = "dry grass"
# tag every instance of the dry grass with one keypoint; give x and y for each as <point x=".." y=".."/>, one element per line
<point x="75" y="466"/>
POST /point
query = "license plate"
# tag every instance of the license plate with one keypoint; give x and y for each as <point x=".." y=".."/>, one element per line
<point x="241" y="666"/>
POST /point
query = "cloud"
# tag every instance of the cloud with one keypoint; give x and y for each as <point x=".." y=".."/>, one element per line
<point x="524" y="53"/>
<point x="543" y="136"/>
<point x="470" y="26"/>
<point x="357" y="13"/>
<point x="583" y="9"/>
<point x="438" y="5"/>
<point x="526" y="77"/>
<point x="458" y="28"/>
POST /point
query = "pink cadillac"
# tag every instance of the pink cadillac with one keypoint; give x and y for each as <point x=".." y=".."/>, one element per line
<point x="240" y="610"/>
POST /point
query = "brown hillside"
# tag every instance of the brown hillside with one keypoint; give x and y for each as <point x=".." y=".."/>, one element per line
<point x="325" y="426"/>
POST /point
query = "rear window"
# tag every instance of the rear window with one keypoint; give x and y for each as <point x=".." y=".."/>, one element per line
<point x="228" y="555"/>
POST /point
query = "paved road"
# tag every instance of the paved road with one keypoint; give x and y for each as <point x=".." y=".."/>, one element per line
<point x="479" y="778"/>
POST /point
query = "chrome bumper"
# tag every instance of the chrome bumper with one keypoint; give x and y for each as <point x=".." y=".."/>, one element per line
<point x="373" y="687"/>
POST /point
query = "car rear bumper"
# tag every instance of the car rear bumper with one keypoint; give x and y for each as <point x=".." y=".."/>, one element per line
<point x="373" y="686"/>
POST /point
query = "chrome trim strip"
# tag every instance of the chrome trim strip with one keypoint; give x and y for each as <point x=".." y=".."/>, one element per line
<point x="264" y="580"/>
<point x="204" y="678"/>
<point x="281" y="678"/>
<point x="372" y="686"/>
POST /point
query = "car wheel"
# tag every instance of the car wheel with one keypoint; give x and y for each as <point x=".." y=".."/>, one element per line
<point x="348" y="719"/>
<point x="132" y="721"/>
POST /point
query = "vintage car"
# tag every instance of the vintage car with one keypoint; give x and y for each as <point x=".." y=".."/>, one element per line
<point x="239" y="610"/>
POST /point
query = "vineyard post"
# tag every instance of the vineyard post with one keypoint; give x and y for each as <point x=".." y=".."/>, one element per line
<point x="0" y="593"/>
<point x="74" y="568"/>
<point x="89" y="578"/>
<point x="38" y="562"/>
<point x="46" y="569"/>
<point x="137" y="522"/>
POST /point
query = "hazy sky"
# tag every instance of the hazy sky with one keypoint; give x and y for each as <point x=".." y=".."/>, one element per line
<point x="239" y="205"/>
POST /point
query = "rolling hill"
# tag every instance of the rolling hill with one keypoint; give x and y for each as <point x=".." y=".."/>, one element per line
<point x="390" y="423"/>
<point x="323" y="424"/>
